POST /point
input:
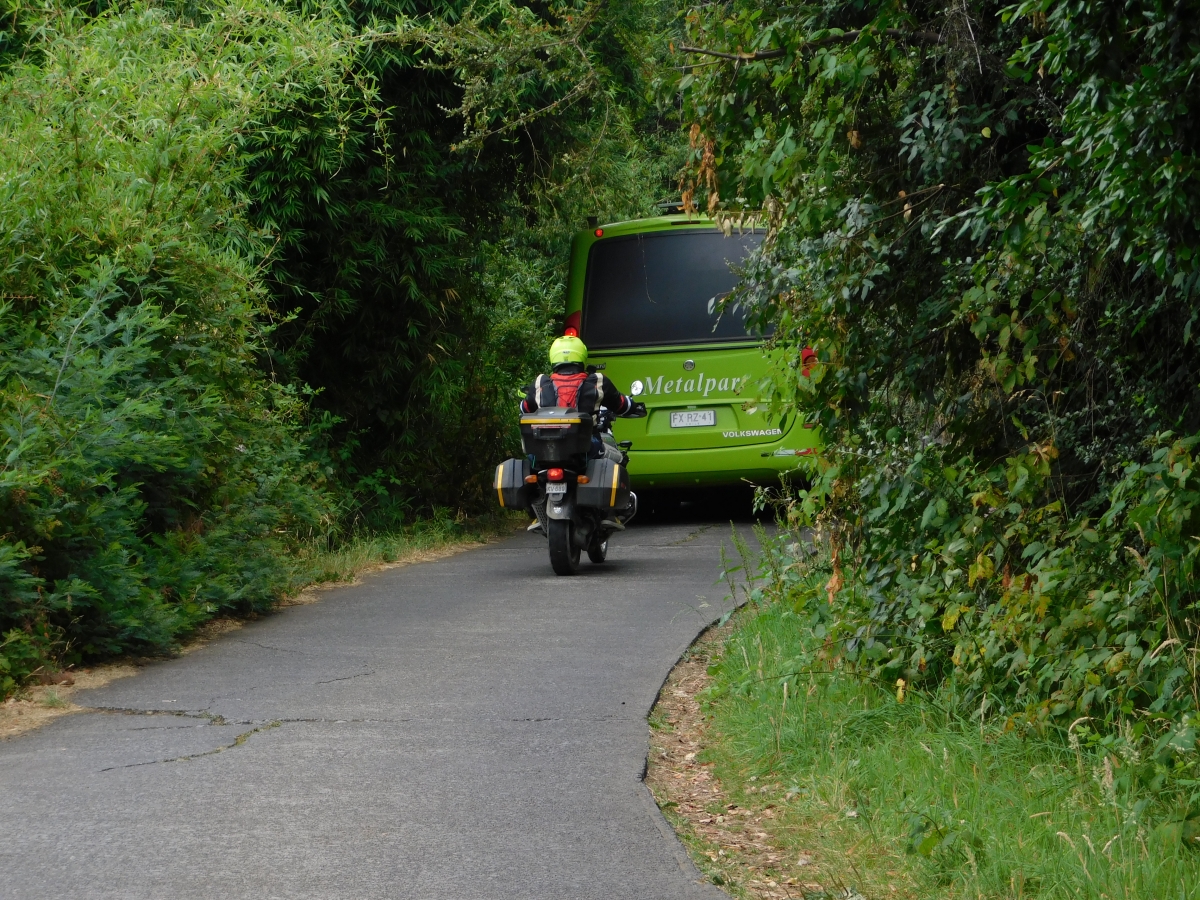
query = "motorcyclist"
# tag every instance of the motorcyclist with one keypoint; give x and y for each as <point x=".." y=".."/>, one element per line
<point x="570" y="384"/>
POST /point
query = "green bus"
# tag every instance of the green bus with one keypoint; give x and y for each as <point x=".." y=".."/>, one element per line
<point x="638" y="295"/>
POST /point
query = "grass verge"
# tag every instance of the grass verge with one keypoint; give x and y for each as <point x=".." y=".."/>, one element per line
<point x="421" y="542"/>
<point x="726" y="839"/>
<point x="811" y="783"/>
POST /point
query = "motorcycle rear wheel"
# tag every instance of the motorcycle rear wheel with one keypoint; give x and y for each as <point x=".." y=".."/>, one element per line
<point x="564" y="554"/>
<point x="598" y="550"/>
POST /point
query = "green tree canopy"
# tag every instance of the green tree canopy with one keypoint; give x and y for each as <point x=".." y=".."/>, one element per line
<point x="984" y="220"/>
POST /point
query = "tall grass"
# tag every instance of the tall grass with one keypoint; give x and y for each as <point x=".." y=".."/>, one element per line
<point x="894" y="793"/>
<point x="367" y="549"/>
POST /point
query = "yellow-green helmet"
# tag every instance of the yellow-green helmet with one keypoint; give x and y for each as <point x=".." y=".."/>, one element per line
<point x="568" y="349"/>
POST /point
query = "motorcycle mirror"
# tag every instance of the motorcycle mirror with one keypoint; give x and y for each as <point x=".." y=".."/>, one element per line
<point x="624" y="445"/>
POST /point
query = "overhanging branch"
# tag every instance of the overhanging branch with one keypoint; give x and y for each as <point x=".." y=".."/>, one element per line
<point x="848" y="37"/>
<point x="761" y="54"/>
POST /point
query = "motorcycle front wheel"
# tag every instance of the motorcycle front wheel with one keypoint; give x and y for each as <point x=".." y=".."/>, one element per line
<point x="564" y="554"/>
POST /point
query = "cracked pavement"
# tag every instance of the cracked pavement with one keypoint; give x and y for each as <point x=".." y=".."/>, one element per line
<point x="468" y="728"/>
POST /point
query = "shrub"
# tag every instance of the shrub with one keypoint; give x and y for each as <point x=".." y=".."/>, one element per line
<point x="981" y="218"/>
<point x="150" y="473"/>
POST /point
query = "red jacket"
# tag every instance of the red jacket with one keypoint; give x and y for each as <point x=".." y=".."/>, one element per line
<point x="571" y="386"/>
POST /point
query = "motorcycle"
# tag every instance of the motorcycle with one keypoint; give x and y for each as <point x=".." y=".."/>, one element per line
<point x="580" y="498"/>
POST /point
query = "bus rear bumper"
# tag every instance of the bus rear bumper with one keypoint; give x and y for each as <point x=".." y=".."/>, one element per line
<point x="755" y="463"/>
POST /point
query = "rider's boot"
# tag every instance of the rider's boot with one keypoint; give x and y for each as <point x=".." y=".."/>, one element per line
<point x="621" y="519"/>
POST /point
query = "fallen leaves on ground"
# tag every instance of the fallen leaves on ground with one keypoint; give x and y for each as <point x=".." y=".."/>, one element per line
<point x="39" y="704"/>
<point x="733" y="842"/>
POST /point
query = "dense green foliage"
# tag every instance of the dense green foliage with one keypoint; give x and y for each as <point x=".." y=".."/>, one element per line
<point x="252" y="297"/>
<point x="389" y="231"/>
<point x="984" y="220"/>
<point x="151" y="474"/>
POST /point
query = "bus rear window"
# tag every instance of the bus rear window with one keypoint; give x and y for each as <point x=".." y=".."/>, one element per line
<point x="649" y="289"/>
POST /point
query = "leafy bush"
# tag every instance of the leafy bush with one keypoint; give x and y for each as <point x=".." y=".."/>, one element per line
<point x="1016" y="608"/>
<point x="982" y="219"/>
<point x="150" y="474"/>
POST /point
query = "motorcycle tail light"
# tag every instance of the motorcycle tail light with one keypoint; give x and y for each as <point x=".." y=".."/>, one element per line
<point x="582" y="479"/>
<point x="808" y="358"/>
<point x="554" y="474"/>
<point x="531" y="479"/>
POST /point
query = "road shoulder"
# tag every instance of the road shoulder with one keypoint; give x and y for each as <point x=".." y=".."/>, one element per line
<point x="727" y="840"/>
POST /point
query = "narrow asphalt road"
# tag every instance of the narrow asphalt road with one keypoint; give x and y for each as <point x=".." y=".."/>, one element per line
<point x="468" y="728"/>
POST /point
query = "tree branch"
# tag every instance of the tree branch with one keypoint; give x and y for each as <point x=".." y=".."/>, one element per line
<point x="916" y="37"/>
<point x="761" y="54"/>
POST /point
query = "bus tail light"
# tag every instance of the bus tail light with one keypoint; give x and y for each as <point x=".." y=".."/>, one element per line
<point x="554" y="474"/>
<point x="571" y="325"/>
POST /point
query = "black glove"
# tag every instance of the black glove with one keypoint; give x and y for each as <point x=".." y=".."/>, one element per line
<point x="637" y="411"/>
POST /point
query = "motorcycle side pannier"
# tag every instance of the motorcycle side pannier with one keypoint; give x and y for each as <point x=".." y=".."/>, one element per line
<point x="554" y="434"/>
<point x="607" y="486"/>
<point x="511" y="489"/>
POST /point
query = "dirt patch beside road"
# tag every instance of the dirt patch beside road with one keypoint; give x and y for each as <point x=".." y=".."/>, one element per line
<point x="729" y="840"/>
<point x="37" y="705"/>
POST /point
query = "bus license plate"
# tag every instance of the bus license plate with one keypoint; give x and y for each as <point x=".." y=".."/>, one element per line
<point x="693" y="418"/>
<point x="556" y="488"/>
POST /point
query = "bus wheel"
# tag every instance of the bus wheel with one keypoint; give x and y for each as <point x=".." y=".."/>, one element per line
<point x="598" y="549"/>
<point x="564" y="554"/>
